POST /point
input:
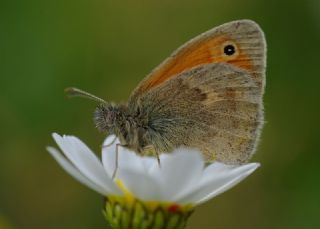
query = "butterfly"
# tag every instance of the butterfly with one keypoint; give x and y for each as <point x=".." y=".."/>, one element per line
<point x="208" y="95"/>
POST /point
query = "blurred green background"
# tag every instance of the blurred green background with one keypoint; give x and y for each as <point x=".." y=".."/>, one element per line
<point x="107" y="47"/>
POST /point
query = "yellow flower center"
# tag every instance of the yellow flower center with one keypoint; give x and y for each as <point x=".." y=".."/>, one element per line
<point x="127" y="211"/>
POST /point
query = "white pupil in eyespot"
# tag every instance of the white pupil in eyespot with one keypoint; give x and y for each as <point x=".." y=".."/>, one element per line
<point x="229" y="50"/>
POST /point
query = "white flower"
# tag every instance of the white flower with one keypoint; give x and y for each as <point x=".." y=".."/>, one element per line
<point x="182" y="177"/>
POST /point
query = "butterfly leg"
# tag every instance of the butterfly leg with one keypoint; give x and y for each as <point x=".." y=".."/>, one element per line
<point x="117" y="160"/>
<point x="117" y="156"/>
<point x="150" y="150"/>
<point x="158" y="158"/>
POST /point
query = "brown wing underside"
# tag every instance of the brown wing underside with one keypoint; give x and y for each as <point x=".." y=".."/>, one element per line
<point x="208" y="47"/>
<point x="216" y="107"/>
<point x="200" y="97"/>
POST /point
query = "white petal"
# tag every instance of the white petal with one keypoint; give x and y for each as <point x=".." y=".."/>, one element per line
<point x="141" y="184"/>
<point x="75" y="173"/>
<point x="148" y="162"/>
<point x="86" y="161"/>
<point x="242" y="172"/>
<point x="179" y="171"/>
<point x="127" y="159"/>
<point x="218" y="178"/>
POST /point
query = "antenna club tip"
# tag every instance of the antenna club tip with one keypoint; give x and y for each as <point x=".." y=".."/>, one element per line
<point x="71" y="91"/>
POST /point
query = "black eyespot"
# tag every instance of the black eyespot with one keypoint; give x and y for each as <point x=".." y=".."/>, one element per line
<point x="229" y="50"/>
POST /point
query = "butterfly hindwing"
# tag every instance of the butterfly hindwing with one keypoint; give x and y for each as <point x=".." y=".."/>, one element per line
<point x="222" y="119"/>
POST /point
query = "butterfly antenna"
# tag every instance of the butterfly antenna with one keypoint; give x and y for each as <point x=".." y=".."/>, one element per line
<point x="76" y="92"/>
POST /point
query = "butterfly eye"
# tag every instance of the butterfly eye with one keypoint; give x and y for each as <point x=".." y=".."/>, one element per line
<point x="229" y="50"/>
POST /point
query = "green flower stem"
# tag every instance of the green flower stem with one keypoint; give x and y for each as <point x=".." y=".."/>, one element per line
<point x="124" y="213"/>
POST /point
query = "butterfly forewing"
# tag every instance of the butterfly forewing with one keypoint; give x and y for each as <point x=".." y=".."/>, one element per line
<point x="244" y="35"/>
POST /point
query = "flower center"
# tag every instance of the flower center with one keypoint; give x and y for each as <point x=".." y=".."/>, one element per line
<point x="129" y="212"/>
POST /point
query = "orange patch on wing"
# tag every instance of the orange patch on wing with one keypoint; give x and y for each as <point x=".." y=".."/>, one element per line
<point x="198" y="53"/>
